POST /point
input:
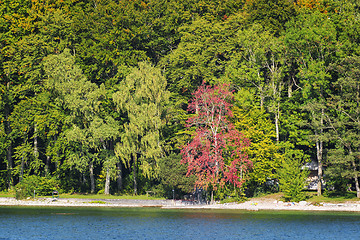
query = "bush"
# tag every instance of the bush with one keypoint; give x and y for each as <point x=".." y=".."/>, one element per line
<point x="43" y="186"/>
<point x="337" y="185"/>
<point x="173" y="176"/>
<point x="292" y="180"/>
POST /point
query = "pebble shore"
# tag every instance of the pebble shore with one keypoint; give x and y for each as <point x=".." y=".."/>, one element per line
<point x="249" y="205"/>
<point x="279" y="205"/>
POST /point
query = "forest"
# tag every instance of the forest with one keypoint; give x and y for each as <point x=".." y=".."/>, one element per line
<point x="232" y="97"/>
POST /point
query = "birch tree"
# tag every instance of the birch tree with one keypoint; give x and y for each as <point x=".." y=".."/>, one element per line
<point x="143" y="98"/>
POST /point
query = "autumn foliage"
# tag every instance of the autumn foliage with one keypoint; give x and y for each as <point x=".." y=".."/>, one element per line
<point x="216" y="153"/>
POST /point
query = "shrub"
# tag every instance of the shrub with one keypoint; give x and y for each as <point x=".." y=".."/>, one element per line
<point x="173" y="176"/>
<point x="292" y="180"/>
<point x="43" y="186"/>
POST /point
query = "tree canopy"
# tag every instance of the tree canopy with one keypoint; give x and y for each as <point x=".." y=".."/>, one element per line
<point x="105" y="96"/>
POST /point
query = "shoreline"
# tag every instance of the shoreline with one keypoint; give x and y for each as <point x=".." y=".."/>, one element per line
<point x="251" y="205"/>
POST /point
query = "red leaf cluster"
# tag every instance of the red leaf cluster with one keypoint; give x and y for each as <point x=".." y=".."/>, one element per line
<point x="216" y="154"/>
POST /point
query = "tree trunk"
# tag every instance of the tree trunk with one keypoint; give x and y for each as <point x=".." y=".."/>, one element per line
<point x="319" y="153"/>
<point x="357" y="186"/>
<point x="107" y="182"/>
<point x="134" y="173"/>
<point x="319" y="186"/>
<point x="47" y="167"/>
<point x="36" y="149"/>
<point x="83" y="179"/>
<point x="92" y="178"/>
<point x="356" y="177"/>
<point x="319" y="160"/>
<point x="21" y="177"/>
<point x="9" y="150"/>
<point x="262" y="99"/>
<point x="119" y="176"/>
<point x="9" y="166"/>
<point x="57" y="165"/>
<point x="290" y="89"/>
<point x="277" y="114"/>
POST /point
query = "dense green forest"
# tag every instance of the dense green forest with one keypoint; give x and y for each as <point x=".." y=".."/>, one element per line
<point x="95" y="93"/>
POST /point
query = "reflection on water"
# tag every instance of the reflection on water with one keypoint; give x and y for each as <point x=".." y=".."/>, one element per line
<point x="155" y="223"/>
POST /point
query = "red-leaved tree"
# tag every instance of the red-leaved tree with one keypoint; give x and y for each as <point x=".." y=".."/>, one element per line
<point x="216" y="153"/>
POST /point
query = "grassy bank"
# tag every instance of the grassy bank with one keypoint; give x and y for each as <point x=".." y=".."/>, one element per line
<point x="103" y="196"/>
<point x="334" y="197"/>
<point x="93" y="196"/>
<point x="312" y="197"/>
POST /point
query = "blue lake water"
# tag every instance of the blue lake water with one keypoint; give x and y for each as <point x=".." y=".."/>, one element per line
<point x="155" y="223"/>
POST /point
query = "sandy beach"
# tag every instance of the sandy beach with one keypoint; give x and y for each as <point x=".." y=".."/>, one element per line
<point x="252" y="205"/>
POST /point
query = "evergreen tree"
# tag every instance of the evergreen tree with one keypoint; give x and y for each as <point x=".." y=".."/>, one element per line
<point x="292" y="178"/>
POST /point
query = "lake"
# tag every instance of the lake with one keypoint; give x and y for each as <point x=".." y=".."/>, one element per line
<point x="155" y="223"/>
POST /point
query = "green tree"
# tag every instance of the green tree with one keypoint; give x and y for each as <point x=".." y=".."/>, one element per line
<point x="247" y="64"/>
<point x="292" y="178"/>
<point x="312" y="39"/>
<point x="172" y="175"/>
<point x="89" y="131"/>
<point x="346" y="17"/>
<point x="263" y="150"/>
<point x="24" y="42"/>
<point x="258" y="61"/>
<point x="109" y="37"/>
<point x="199" y="57"/>
<point x="345" y="122"/>
<point x="24" y="131"/>
<point x="142" y="96"/>
<point x="272" y="14"/>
